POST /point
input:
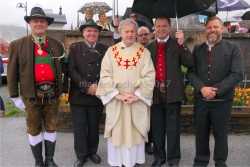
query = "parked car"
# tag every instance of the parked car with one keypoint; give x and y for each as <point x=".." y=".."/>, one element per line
<point x="5" y="63"/>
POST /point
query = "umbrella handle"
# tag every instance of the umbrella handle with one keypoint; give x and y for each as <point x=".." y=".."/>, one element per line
<point x="112" y="24"/>
<point x="177" y="27"/>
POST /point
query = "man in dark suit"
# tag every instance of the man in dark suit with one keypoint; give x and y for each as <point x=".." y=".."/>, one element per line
<point x="168" y="55"/>
<point x="218" y="68"/>
<point x="84" y="71"/>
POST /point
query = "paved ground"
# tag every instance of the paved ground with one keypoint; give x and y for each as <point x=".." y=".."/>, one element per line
<point x="15" y="149"/>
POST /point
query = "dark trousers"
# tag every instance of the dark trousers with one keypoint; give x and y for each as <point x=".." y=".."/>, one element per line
<point x="150" y="137"/>
<point x="1" y="104"/>
<point x="86" y="120"/>
<point x="166" y="115"/>
<point x="215" y="115"/>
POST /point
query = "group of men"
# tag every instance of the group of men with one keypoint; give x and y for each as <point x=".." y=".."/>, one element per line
<point x="139" y="85"/>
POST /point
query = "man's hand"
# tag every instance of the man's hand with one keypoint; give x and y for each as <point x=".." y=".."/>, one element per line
<point x="116" y="22"/>
<point x="131" y="98"/>
<point x="92" y="89"/>
<point x="208" y="92"/>
<point x="122" y="97"/>
<point x="180" y="36"/>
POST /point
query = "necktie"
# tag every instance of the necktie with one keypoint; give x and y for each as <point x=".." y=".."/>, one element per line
<point x="91" y="49"/>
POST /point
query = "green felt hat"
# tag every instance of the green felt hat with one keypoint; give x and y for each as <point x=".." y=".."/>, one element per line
<point x="90" y="23"/>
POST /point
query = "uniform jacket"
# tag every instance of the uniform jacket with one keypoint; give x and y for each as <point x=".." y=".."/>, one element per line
<point x="226" y="68"/>
<point x="175" y="56"/>
<point x="84" y="69"/>
<point x="21" y="67"/>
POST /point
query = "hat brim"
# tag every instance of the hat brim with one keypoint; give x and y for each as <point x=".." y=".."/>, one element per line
<point x="49" y="19"/>
<point x="84" y="26"/>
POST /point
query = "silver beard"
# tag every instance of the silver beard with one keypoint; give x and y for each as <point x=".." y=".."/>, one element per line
<point x="214" y="39"/>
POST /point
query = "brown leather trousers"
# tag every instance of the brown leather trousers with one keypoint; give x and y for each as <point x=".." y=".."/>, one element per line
<point x="42" y="110"/>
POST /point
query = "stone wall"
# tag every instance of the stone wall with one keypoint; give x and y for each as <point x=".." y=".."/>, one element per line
<point x="67" y="37"/>
<point x="239" y="123"/>
<point x="240" y="120"/>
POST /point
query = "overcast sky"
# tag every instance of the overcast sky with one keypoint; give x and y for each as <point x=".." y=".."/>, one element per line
<point x="10" y="15"/>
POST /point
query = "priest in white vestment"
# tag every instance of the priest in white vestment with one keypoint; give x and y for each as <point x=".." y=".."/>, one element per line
<point x="126" y="89"/>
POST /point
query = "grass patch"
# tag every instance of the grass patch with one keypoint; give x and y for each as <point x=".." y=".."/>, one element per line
<point x="9" y="104"/>
<point x="11" y="112"/>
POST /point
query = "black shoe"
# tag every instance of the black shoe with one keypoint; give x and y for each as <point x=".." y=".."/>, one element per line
<point x="37" y="153"/>
<point x="149" y="148"/>
<point x="49" y="153"/>
<point x="174" y="165"/>
<point x="158" y="163"/>
<point x="95" y="158"/>
<point x="80" y="162"/>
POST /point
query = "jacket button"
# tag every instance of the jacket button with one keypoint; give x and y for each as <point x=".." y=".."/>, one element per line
<point x="97" y="64"/>
<point x="88" y="74"/>
<point x="97" y="75"/>
<point x="89" y="64"/>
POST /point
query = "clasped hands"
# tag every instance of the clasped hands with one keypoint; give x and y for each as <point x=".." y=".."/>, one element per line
<point x="92" y="90"/>
<point x="127" y="98"/>
<point x="208" y="92"/>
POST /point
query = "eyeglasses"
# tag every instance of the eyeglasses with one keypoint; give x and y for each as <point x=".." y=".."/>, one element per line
<point x="132" y="16"/>
<point x="90" y="31"/>
<point x="141" y="35"/>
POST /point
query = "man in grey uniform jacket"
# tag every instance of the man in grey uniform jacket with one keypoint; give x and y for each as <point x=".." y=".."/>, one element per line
<point x="218" y="68"/>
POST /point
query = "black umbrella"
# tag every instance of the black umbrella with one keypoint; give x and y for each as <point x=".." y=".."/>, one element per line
<point x="148" y="22"/>
<point x="246" y="16"/>
<point x="170" y="8"/>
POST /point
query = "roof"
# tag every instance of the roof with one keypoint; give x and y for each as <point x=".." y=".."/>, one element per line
<point x="58" y="19"/>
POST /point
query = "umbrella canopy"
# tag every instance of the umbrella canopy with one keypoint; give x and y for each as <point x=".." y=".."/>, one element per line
<point x="170" y="8"/>
<point x="96" y="7"/>
<point x="148" y="22"/>
<point x="208" y="12"/>
<point x="246" y="16"/>
<point x="238" y="16"/>
<point x="245" y="24"/>
<point x="230" y="19"/>
<point x="230" y="5"/>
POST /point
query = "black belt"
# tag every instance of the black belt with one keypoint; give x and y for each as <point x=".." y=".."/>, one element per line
<point x="45" y="87"/>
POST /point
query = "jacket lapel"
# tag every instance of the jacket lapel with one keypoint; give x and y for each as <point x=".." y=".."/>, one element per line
<point x="154" y="50"/>
<point x="31" y="51"/>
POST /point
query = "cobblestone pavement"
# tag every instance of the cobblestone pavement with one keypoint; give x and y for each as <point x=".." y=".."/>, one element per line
<point x="15" y="149"/>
